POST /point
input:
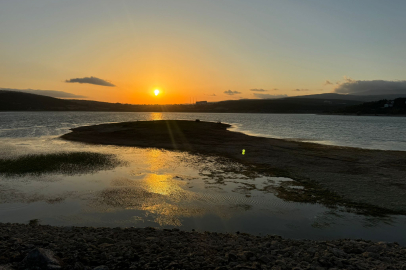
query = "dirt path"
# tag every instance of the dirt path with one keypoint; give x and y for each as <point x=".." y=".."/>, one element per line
<point x="373" y="181"/>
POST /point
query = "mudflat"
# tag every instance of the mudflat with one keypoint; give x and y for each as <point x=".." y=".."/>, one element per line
<point x="370" y="181"/>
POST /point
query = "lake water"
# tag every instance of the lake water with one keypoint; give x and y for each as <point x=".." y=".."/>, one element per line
<point x="168" y="189"/>
<point x="371" y="132"/>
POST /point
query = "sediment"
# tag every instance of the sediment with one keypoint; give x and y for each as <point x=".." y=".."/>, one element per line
<point x="371" y="181"/>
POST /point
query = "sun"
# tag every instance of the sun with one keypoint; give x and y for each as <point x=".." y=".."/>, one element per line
<point x="156" y="92"/>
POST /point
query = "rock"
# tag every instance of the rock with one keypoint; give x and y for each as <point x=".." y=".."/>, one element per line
<point x="101" y="267"/>
<point x="43" y="258"/>
<point x="105" y="240"/>
<point x="231" y="257"/>
<point x="374" y="248"/>
<point x="339" y="253"/>
<point x="105" y="245"/>
<point x="264" y="259"/>
<point x="78" y="266"/>
<point x="370" y="255"/>
<point x="136" y="248"/>
<point x="246" y="255"/>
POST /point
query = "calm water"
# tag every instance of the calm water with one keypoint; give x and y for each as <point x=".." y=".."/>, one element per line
<point x="371" y="132"/>
<point x="173" y="189"/>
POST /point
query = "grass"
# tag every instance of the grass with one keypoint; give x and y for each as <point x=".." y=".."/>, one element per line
<point x="65" y="162"/>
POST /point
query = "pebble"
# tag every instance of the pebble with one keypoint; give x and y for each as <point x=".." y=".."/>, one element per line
<point x="81" y="248"/>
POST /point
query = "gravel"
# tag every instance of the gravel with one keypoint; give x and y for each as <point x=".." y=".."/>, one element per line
<point x="87" y="248"/>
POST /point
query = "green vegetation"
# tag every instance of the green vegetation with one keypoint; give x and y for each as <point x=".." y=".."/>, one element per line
<point x="66" y="163"/>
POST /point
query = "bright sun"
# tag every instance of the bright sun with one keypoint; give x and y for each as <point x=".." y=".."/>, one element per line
<point x="156" y="92"/>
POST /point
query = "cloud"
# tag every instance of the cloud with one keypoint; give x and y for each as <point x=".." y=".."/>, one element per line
<point x="212" y="95"/>
<point x="229" y="92"/>
<point x="91" y="80"/>
<point x="258" y="90"/>
<point x="49" y="93"/>
<point x="262" y="90"/>
<point x="374" y="87"/>
<point x="301" y="90"/>
<point x="327" y="82"/>
<point x="268" y="96"/>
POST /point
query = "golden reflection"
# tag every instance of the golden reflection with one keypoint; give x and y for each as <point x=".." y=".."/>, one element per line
<point x="155" y="159"/>
<point x="161" y="184"/>
<point x="163" y="199"/>
<point x="156" y="116"/>
<point x="169" y="214"/>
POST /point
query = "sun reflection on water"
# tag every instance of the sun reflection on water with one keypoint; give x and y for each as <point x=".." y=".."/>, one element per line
<point x="162" y="184"/>
<point x="156" y="116"/>
<point x="155" y="160"/>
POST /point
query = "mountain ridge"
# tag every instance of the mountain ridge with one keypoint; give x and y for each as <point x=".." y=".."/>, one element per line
<point x="321" y="103"/>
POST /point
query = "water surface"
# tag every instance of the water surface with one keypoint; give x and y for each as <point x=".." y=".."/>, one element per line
<point x="169" y="189"/>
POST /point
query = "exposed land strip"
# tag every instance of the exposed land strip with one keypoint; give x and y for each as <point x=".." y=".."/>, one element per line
<point x="371" y="181"/>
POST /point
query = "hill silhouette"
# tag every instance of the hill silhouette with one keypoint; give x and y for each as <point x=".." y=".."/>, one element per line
<point x="19" y="101"/>
<point x="384" y="106"/>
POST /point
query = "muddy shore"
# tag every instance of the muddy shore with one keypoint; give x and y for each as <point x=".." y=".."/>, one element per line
<point x="87" y="248"/>
<point x="366" y="181"/>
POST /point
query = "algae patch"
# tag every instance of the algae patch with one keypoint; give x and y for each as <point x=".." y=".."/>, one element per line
<point x="65" y="163"/>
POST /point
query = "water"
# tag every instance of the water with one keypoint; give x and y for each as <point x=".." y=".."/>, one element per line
<point x="169" y="189"/>
<point x="370" y="132"/>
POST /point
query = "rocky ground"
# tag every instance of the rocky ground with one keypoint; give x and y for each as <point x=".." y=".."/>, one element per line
<point x="47" y="247"/>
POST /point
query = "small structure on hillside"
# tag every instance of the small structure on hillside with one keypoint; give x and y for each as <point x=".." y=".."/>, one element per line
<point x="201" y="102"/>
<point x="389" y="104"/>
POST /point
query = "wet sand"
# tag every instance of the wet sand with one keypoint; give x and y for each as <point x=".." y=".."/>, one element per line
<point x="367" y="181"/>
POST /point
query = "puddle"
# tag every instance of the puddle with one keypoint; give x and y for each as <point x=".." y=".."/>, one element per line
<point x="167" y="189"/>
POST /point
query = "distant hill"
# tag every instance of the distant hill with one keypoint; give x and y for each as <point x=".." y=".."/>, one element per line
<point x="364" y="98"/>
<point x="19" y="101"/>
<point x="384" y="106"/>
<point x="285" y="105"/>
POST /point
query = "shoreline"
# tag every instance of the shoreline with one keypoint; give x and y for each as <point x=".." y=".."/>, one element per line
<point x="331" y="175"/>
<point x="88" y="248"/>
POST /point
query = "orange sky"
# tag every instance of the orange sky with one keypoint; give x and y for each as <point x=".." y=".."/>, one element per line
<point x="201" y="50"/>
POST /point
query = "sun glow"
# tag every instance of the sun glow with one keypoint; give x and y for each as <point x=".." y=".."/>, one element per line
<point x="156" y="92"/>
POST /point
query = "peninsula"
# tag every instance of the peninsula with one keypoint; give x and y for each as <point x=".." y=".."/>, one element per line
<point x="366" y="181"/>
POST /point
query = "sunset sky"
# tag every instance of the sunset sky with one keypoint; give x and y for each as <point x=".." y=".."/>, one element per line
<point x="121" y="51"/>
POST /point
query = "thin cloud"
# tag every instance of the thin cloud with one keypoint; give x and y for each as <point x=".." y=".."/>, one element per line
<point x="268" y="96"/>
<point x="258" y="90"/>
<point x="212" y="95"/>
<point x="327" y="82"/>
<point x="229" y="92"/>
<point x="90" y="80"/>
<point x="373" y="87"/>
<point x="49" y="93"/>
<point x="298" y="90"/>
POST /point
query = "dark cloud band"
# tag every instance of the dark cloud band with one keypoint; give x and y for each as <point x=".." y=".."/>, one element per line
<point x="374" y="87"/>
<point x="258" y="90"/>
<point x="229" y="92"/>
<point x="90" y="80"/>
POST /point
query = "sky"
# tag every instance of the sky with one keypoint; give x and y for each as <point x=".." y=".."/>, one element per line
<point x="121" y="51"/>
